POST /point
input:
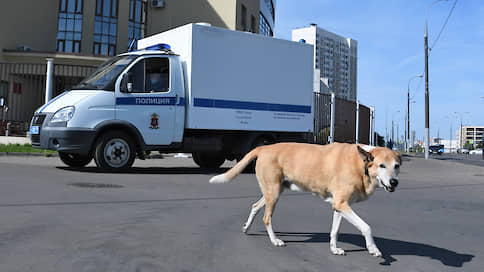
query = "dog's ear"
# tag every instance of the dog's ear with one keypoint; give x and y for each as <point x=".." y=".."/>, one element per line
<point x="366" y="156"/>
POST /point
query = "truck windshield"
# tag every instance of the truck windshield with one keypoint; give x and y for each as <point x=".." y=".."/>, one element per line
<point x="104" y="77"/>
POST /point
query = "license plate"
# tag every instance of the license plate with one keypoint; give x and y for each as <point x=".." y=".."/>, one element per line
<point x="34" y="130"/>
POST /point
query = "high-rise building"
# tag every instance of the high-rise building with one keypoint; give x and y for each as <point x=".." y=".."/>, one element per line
<point x="335" y="60"/>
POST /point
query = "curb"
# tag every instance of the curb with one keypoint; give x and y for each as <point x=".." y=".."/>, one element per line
<point x="22" y="154"/>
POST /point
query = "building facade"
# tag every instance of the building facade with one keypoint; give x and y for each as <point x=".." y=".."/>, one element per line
<point x="81" y="34"/>
<point x="470" y="135"/>
<point x="86" y="31"/>
<point x="335" y="61"/>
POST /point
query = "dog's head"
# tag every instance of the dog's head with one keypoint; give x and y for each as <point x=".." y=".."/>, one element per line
<point x="382" y="165"/>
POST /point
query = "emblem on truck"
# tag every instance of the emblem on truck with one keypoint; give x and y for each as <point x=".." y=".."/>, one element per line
<point x="154" y="121"/>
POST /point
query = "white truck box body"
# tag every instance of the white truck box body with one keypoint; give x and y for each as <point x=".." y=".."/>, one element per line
<point x="242" y="81"/>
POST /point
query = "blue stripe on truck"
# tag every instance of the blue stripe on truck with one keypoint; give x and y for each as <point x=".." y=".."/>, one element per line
<point x="213" y="103"/>
<point x="150" y="101"/>
<point x="245" y="105"/>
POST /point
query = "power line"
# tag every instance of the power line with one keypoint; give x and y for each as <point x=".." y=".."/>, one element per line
<point x="443" y="27"/>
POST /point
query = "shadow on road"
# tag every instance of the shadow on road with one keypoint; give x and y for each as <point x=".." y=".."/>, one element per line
<point x="150" y="170"/>
<point x="390" y="248"/>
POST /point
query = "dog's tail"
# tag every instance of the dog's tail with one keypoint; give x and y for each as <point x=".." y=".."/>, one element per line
<point x="237" y="169"/>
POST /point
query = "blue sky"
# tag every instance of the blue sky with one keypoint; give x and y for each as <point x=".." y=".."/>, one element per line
<point x="391" y="51"/>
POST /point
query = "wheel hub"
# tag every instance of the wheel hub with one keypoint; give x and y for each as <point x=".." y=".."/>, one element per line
<point x="116" y="152"/>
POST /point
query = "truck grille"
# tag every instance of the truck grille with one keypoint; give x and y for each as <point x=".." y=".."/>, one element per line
<point x="38" y="120"/>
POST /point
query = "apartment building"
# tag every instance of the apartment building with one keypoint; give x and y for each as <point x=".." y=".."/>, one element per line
<point x="335" y="60"/>
<point x="471" y="135"/>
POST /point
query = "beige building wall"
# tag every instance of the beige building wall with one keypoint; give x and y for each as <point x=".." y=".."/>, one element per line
<point x="33" y="23"/>
<point x="182" y="12"/>
<point x="28" y="23"/>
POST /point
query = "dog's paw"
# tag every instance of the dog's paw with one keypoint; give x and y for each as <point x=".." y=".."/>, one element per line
<point x="373" y="250"/>
<point x="337" y="251"/>
<point x="278" y="243"/>
<point x="245" y="228"/>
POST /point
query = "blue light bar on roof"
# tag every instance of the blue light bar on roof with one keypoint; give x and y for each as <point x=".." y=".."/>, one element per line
<point x="159" y="47"/>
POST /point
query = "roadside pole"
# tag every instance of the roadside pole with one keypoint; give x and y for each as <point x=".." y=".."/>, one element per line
<point x="49" y="78"/>
<point x="372" y="126"/>
<point x="331" y="134"/>
<point x="357" y="120"/>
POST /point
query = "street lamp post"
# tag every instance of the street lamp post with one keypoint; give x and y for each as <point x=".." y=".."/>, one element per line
<point x="407" y="137"/>
<point x="450" y="133"/>
<point x="393" y="139"/>
<point x="460" y="131"/>
<point x="426" y="43"/>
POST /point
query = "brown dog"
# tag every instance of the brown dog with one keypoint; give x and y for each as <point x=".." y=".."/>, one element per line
<point x="340" y="173"/>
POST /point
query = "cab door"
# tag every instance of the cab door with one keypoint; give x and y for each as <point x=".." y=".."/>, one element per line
<point x="146" y="99"/>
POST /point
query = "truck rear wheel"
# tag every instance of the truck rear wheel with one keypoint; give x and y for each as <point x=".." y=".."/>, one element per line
<point x="75" y="160"/>
<point x="114" y="151"/>
<point x="210" y="160"/>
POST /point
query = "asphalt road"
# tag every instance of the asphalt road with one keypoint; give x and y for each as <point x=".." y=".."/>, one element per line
<point x="165" y="216"/>
<point x="472" y="159"/>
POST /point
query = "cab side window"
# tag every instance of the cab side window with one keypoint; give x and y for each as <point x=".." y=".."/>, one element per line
<point x="150" y="75"/>
<point x="157" y="75"/>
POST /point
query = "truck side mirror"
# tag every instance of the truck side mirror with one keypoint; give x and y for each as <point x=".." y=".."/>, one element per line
<point x="126" y="83"/>
<point x="2" y="102"/>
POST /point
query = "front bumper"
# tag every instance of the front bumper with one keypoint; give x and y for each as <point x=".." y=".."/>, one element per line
<point x="63" y="139"/>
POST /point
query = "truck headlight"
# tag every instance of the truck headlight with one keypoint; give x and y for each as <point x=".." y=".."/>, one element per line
<point x="63" y="115"/>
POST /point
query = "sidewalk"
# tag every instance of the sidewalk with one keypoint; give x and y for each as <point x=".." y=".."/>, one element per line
<point x="14" y="140"/>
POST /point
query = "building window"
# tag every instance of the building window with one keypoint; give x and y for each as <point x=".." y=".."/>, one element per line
<point x="264" y="27"/>
<point x="69" y="27"/>
<point x="270" y="6"/>
<point x="137" y="21"/>
<point x="252" y="24"/>
<point x="243" y="18"/>
<point x="105" y="27"/>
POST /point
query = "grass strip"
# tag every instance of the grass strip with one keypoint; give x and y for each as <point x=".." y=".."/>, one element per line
<point x="25" y="148"/>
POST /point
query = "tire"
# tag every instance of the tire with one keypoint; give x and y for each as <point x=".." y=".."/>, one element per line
<point x="75" y="160"/>
<point x="209" y="160"/>
<point x="114" y="151"/>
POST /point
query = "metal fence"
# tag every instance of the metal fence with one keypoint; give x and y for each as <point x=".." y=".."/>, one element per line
<point x="344" y="121"/>
<point x="23" y="87"/>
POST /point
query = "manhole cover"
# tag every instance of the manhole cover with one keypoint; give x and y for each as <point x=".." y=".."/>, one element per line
<point x="95" y="185"/>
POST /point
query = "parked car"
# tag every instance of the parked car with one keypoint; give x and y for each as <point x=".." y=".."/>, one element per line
<point x="436" y="149"/>
<point x="476" y="151"/>
<point x="463" y="151"/>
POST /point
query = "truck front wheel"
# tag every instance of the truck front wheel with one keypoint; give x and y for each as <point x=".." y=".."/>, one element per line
<point x="210" y="160"/>
<point x="75" y="160"/>
<point x="114" y="151"/>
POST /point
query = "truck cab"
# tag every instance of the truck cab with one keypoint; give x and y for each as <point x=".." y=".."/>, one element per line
<point x="132" y="103"/>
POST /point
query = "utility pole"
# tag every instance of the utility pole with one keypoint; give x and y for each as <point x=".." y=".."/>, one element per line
<point x="407" y="139"/>
<point x="427" y="136"/>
